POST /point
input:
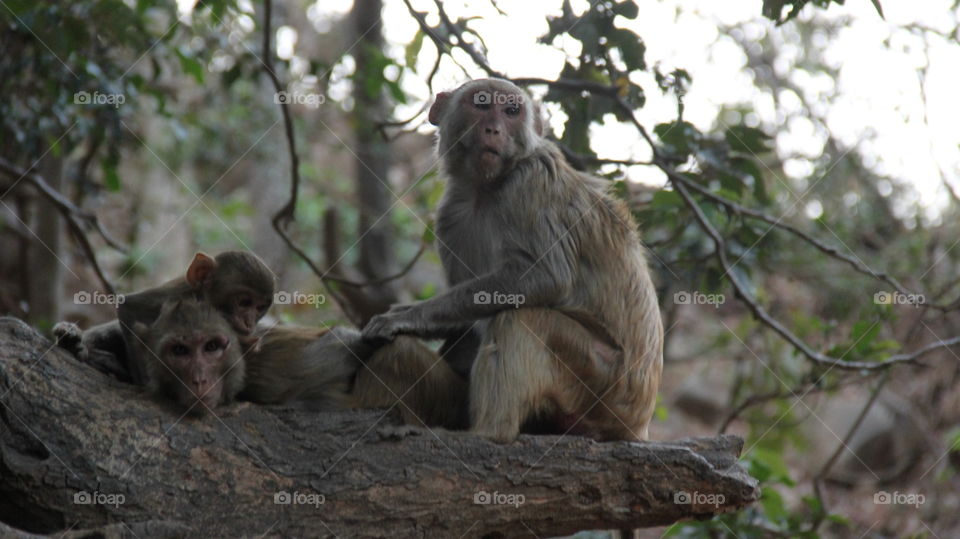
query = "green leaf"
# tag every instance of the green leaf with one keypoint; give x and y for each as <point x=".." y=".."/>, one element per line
<point x="628" y="9"/>
<point x="111" y="178"/>
<point x="630" y="46"/>
<point x="413" y="50"/>
<point x="876" y="4"/>
<point x="747" y="139"/>
<point x="666" y="200"/>
<point x="190" y="65"/>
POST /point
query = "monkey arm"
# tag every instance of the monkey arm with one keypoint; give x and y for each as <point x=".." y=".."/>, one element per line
<point x="517" y="284"/>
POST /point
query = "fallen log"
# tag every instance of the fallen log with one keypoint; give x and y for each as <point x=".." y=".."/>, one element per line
<point x="81" y="451"/>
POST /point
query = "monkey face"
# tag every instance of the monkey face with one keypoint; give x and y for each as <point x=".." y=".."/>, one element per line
<point x="488" y="125"/>
<point x="196" y="366"/>
<point x="241" y="306"/>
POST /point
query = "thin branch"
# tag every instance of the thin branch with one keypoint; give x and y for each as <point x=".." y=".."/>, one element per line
<point x="463" y="45"/>
<point x="818" y="479"/>
<point x="287" y="214"/>
<point x="75" y="218"/>
<point x="822" y="247"/>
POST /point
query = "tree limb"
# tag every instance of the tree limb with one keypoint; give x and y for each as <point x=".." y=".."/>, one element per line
<point x="346" y="473"/>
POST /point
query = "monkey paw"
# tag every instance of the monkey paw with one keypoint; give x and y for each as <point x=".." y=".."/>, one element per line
<point x="69" y="336"/>
<point x="385" y="327"/>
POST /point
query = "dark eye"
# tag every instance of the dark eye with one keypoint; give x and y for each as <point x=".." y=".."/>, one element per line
<point x="212" y="345"/>
<point x="245" y="302"/>
<point x="512" y="110"/>
<point x="179" y="350"/>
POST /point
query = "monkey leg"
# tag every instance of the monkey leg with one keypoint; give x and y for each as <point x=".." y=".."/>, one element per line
<point x="539" y="364"/>
<point x="413" y="377"/>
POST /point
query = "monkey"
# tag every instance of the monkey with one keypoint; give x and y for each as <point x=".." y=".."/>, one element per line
<point x="549" y="285"/>
<point x="236" y="283"/>
<point x="194" y="357"/>
<point x="310" y="365"/>
<point x="335" y="369"/>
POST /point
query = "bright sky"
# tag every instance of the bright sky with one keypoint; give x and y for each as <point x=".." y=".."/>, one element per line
<point x="879" y="107"/>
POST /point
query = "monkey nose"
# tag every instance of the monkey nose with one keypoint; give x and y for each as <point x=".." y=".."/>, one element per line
<point x="492" y="130"/>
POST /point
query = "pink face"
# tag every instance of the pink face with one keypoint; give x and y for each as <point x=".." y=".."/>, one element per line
<point x="199" y="361"/>
<point x="498" y="118"/>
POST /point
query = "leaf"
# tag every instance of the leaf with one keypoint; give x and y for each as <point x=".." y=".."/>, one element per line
<point x="111" y="178"/>
<point x="876" y="4"/>
<point x="628" y="9"/>
<point x="190" y="65"/>
<point x="413" y="50"/>
<point x="631" y="47"/>
<point x="747" y="139"/>
<point x="666" y="200"/>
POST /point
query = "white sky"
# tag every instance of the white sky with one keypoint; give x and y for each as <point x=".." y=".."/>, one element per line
<point x="879" y="107"/>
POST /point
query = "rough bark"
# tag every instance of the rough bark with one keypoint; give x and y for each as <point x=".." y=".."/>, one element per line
<point x="66" y="429"/>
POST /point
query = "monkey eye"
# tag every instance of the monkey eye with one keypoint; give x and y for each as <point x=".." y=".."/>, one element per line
<point x="179" y="350"/>
<point x="245" y="302"/>
<point x="212" y="345"/>
<point x="512" y="110"/>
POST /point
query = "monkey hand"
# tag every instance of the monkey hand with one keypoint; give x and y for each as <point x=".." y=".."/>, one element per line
<point x="398" y="320"/>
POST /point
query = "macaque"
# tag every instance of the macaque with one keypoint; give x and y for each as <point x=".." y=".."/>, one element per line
<point x="236" y="283"/>
<point x="551" y="306"/>
<point x="313" y="366"/>
<point x="194" y="358"/>
<point x="335" y="369"/>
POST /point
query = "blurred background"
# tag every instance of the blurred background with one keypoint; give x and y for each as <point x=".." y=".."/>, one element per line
<point x="817" y="140"/>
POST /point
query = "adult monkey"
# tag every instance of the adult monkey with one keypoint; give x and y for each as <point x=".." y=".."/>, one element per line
<point x="584" y="353"/>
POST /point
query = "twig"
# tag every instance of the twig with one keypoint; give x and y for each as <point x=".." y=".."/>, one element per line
<point x="287" y="214"/>
<point x="818" y="479"/>
<point x="75" y="218"/>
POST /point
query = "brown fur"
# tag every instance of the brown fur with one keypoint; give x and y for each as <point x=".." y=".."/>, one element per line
<point x="584" y="352"/>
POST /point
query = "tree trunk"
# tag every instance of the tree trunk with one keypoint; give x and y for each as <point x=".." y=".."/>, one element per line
<point x="82" y="451"/>
<point x="45" y="261"/>
<point x="374" y="196"/>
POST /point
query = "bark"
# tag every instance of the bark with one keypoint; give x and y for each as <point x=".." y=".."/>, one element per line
<point x="69" y="434"/>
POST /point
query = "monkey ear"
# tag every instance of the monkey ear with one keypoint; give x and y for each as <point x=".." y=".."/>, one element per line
<point x="200" y="268"/>
<point x="436" y="110"/>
